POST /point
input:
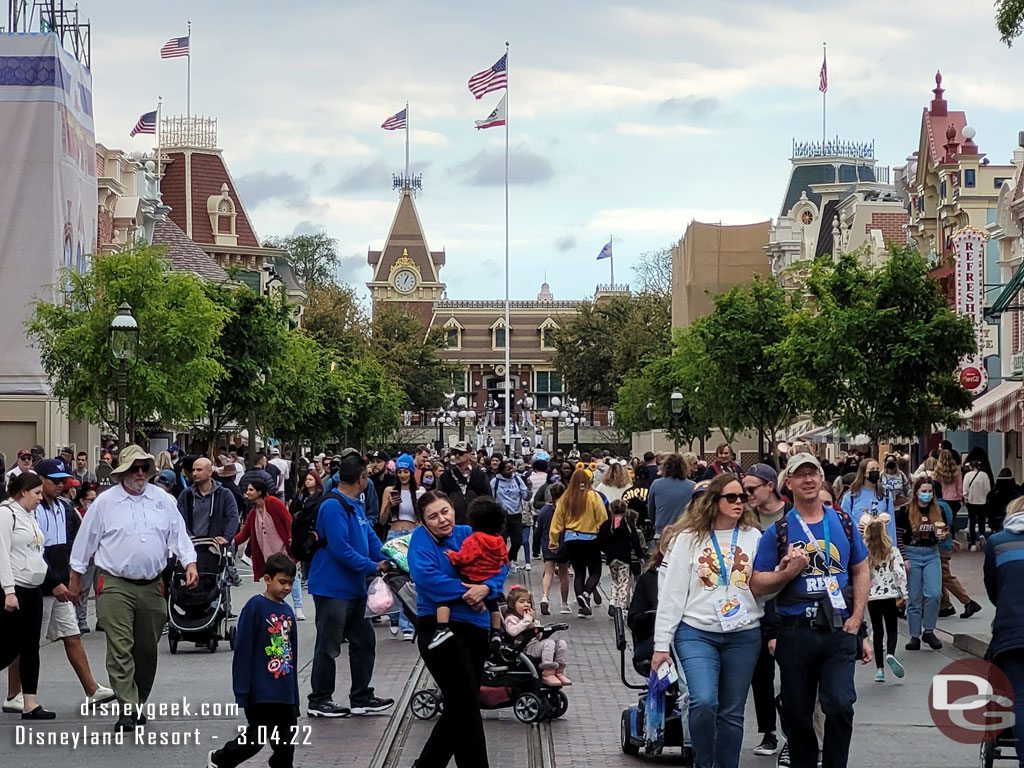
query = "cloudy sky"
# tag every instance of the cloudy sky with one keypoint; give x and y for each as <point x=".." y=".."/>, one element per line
<point x="627" y="119"/>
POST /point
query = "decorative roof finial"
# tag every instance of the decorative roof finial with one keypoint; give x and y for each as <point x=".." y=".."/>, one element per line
<point x="938" y="107"/>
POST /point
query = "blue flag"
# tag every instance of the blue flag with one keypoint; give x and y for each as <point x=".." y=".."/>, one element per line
<point x="606" y="252"/>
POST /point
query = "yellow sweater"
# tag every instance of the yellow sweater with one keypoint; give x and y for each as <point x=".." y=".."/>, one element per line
<point x="589" y="522"/>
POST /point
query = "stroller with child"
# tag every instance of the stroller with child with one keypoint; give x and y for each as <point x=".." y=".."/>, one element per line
<point x="201" y="613"/>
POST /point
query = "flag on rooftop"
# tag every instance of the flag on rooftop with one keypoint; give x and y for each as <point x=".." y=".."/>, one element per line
<point x="146" y="124"/>
<point x="493" y="79"/>
<point x="606" y="252"/>
<point x="823" y="75"/>
<point x="396" y="121"/>
<point x="175" y="47"/>
<point x="497" y="116"/>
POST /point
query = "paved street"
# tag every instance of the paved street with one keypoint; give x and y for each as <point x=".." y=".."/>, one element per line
<point x="892" y="726"/>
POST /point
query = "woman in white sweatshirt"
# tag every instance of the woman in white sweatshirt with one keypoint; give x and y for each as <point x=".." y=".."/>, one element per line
<point x="22" y="570"/>
<point x="707" y="614"/>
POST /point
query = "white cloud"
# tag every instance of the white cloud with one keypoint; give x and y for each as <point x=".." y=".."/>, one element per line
<point x="667" y="219"/>
<point x="660" y="131"/>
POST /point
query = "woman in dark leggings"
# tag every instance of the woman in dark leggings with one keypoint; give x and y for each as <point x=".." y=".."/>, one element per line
<point x="22" y="570"/>
<point x="457" y="664"/>
<point x="580" y="513"/>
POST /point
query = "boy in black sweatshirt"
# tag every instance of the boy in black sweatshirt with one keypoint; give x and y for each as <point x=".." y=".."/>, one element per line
<point x="264" y="672"/>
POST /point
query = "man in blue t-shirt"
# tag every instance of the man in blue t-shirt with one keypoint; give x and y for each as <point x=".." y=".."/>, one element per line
<point x="821" y="582"/>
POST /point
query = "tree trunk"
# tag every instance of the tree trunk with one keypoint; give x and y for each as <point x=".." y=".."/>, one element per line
<point x="252" y="437"/>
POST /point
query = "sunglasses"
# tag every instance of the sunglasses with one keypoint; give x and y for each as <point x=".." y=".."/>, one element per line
<point x="732" y="498"/>
<point x="139" y="468"/>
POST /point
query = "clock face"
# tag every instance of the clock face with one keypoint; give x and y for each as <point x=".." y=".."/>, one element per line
<point x="405" y="281"/>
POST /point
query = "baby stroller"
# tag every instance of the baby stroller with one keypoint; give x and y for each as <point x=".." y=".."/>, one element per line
<point x="201" y="613"/>
<point x="632" y="736"/>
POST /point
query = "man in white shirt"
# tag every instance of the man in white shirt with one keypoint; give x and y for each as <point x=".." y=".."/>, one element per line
<point x="129" y="530"/>
<point x="284" y="471"/>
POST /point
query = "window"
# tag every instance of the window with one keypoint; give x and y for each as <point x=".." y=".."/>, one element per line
<point x="452" y="334"/>
<point x="453" y="339"/>
<point x="969" y="177"/>
<point x="498" y="334"/>
<point x="547" y="336"/>
<point x="942" y="190"/>
<point x="549" y="384"/>
<point x="999" y="181"/>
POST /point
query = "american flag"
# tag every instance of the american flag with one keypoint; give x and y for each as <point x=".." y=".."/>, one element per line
<point x="493" y="79"/>
<point x="396" y="121"/>
<point x="146" y="124"/>
<point x="823" y="76"/>
<point x="175" y="47"/>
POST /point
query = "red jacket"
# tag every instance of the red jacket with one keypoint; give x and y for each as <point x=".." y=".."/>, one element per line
<point x="282" y="522"/>
<point x="481" y="556"/>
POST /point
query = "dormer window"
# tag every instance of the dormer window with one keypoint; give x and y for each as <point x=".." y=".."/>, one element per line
<point x="547" y="333"/>
<point x="221" y="209"/>
<point x="499" y="334"/>
<point x="453" y="334"/>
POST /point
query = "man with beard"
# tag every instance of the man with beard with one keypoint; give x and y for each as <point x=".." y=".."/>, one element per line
<point x="129" y="530"/>
<point x="463" y="481"/>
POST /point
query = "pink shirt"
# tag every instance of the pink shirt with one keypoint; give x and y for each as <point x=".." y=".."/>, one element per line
<point x="954" y="491"/>
<point x="267" y="537"/>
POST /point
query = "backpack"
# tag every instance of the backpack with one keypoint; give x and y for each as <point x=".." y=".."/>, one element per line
<point x="305" y="541"/>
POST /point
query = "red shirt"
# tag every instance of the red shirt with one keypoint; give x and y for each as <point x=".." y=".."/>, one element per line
<point x="481" y="557"/>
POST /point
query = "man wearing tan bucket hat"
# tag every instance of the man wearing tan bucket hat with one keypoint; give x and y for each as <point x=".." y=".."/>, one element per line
<point x="129" y="530"/>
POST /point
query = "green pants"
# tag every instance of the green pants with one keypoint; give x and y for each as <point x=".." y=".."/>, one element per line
<point x="132" y="617"/>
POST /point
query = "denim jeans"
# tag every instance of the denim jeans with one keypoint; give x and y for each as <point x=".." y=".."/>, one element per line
<point x="297" y="593"/>
<point x="924" y="581"/>
<point x="337" y="618"/>
<point x="1012" y="663"/>
<point x="398" y="617"/>
<point x="718" y="668"/>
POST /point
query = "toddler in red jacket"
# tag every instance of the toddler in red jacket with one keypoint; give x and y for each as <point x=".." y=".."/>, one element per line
<point x="482" y="557"/>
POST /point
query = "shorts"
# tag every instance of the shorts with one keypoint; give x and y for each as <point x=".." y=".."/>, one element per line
<point x="59" y="620"/>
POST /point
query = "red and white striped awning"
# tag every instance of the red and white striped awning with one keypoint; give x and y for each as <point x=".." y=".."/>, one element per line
<point x="998" y="410"/>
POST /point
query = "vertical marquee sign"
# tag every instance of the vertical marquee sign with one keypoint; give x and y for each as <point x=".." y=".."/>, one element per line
<point x="969" y="271"/>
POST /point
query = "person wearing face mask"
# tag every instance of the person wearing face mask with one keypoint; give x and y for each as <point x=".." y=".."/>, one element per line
<point x="895" y="482"/>
<point x="924" y="527"/>
<point x="867" y="496"/>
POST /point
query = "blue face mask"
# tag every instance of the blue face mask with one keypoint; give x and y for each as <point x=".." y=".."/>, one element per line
<point x="925" y="498"/>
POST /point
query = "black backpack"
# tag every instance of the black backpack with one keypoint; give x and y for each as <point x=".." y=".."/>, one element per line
<point x="305" y="541"/>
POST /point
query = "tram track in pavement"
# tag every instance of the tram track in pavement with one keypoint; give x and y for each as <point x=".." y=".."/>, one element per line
<point x="390" y="751"/>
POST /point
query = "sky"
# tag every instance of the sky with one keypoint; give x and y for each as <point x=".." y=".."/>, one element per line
<point x="626" y="119"/>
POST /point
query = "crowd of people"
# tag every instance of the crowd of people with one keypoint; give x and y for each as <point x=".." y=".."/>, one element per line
<point x="727" y="574"/>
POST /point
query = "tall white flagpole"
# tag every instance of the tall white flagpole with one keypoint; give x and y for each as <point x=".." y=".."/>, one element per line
<point x="508" y="327"/>
<point x="407" y="141"/>
<point x="611" y="258"/>
<point x="159" y="138"/>
<point x="824" y="91"/>
<point x="188" y="75"/>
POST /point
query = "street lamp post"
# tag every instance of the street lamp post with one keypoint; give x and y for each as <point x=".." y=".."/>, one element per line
<point x="676" y="403"/>
<point x="124" y="341"/>
<point x="463" y="415"/>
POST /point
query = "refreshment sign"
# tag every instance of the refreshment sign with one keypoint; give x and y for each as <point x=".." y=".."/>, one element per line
<point x="969" y="271"/>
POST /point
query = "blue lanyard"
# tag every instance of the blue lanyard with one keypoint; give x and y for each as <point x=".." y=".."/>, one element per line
<point x="811" y="538"/>
<point x="723" y="575"/>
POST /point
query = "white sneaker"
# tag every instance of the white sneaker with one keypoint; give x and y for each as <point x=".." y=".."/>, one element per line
<point x="17" y="704"/>
<point x="299" y="615"/>
<point x="565" y="609"/>
<point x="102" y="694"/>
<point x="526" y="567"/>
<point x="394" y="630"/>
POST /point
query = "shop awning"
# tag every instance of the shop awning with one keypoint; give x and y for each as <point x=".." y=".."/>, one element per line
<point x="998" y="410"/>
<point x="1006" y="295"/>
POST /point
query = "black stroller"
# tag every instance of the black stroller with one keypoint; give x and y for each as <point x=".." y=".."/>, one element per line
<point x="202" y="613"/>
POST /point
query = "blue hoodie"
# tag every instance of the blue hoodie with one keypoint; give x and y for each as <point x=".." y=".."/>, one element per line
<point x="352" y="551"/>
<point x="437" y="581"/>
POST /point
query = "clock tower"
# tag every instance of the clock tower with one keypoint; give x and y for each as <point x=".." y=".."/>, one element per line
<point x="406" y="273"/>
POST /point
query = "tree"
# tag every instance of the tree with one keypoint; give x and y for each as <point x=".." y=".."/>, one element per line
<point x="176" y="367"/>
<point x="1009" y="20"/>
<point x="606" y="341"/>
<point x="412" y="361"/>
<point x="878" y="354"/>
<point x="653" y="271"/>
<point x="296" y="387"/>
<point x="313" y="257"/>
<point x="335" y="319"/>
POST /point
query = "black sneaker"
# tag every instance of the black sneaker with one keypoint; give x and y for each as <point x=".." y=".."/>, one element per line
<point x="373" y="706"/>
<point x="327" y="709"/>
<point x="945" y="613"/>
<point x="584" y="604"/>
<point x="783" y="761"/>
<point x="495" y="641"/>
<point x="125" y="723"/>
<point x="933" y="642"/>
<point x="914" y="644"/>
<point x="769" y="745"/>
<point x="597" y="597"/>
<point x="38" y="714"/>
<point x="970" y="609"/>
<point x="439" y="637"/>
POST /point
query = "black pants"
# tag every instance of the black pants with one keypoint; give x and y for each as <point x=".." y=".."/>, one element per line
<point x="514" y="535"/>
<point x="816" y="664"/>
<point x="457" y="666"/>
<point x="19" y="636"/>
<point x="884" y="615"/>
<point x="336" y="619"/>
<point x="975" y="522"/>
<point x="585" y="557"/>
<point x="763" y="685"/>
<point x="272" y="724"/>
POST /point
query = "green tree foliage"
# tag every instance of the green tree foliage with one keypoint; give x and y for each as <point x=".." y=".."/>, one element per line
<point x="176" y="369"/>
<point x="412" y="361"/>
<point x="597" y="349"/>
<point x="1009" y="20"/>
<point x="313" y="257"/>
<point x="878" y="354"/>
<point x="653" y="271"/>
<point x="335" y="319"/>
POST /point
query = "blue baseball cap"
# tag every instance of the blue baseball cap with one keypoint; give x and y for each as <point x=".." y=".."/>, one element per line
<point x="52" y="469"/>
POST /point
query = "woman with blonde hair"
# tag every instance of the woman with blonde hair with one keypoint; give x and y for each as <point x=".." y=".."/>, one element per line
<point x="952" y="480"/>
<point x="163" y="461"/>
<point x="869" y="498"/>
<point x="615" y="481"/>
<point x="708" y="614"/>
<point x="580" y="513"/>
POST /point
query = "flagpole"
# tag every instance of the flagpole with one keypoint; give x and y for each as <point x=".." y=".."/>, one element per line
<point x="824" y="91"/>
<point x="188" y="76"/>
<point x="508" y="328"/>
<point x="407" y="141"/>
<point x="159" y="138"/>
<point x="611" y="258"/>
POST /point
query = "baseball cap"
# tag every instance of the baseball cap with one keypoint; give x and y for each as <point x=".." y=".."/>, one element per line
<point x="52" y="469"/>
<point x="700" y="489"/>
<point x="765" y="473"/>
<point x="68" y="450"/>
<point x="378" y="456"/>
<point x="461" y="447"/>
<point x="174" y="447"/>
<point x="797" y="460"/>
<point x="275" y="451"/>
<point x="25" y="453"/>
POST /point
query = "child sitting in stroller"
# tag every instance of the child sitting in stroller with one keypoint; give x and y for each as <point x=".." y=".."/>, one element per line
<point x="482" y="556"/>
<point x="551" y="652"/>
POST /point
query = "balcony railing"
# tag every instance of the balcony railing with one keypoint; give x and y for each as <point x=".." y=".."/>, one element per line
<point x="192" y="131"/>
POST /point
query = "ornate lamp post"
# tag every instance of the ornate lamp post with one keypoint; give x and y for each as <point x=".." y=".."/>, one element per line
<point x="462" y="414"/>
<point x="555" y="415"/>
<point x="124" y="342"/>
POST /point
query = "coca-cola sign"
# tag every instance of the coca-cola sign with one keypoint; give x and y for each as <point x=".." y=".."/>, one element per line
<point x="969" y="271"/>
